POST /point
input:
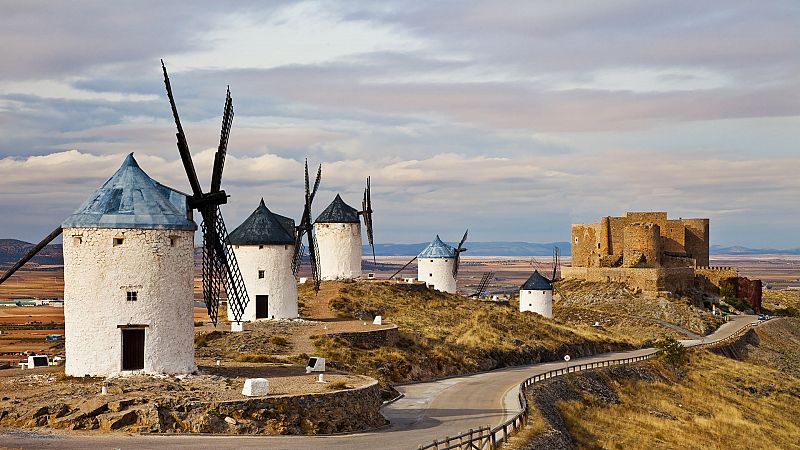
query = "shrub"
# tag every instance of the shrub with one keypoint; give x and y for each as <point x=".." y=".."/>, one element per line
<point x="278" y="341"/>
<point x="338" y="385"/>
<point x="258" y="358"/>
<point x="672" y="351"/>
<point x="726" y="290"/>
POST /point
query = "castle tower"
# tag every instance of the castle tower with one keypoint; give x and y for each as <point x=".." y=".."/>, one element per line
<point x="128" y="279"/>
<point x="338" y="236"/>
<point x="264" y="248"/>
<point x="642" y="245"/>
<point x="435" y="266"/>
<point x="536" y="295"/>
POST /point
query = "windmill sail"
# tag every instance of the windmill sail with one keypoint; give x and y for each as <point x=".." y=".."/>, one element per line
<point x="31" y="253"/>
<point x="220" y="269"/>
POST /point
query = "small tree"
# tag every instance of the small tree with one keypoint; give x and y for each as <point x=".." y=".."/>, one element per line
<point x="672" y="351"/>
<point x="726" y="290"/>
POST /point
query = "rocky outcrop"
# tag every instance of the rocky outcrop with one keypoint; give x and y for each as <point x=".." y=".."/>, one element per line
<point x="371" y="338"/>
<point x="325" y="413"/>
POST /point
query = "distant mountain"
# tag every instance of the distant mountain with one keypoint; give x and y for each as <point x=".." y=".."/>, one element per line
<point x="476" y="249"/>
<point x="739" y="250"/>
<point x="11" y="250"/>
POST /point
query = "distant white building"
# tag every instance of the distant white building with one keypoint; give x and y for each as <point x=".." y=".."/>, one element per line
<point x="264" y="249"/>
<point x="536" y="295"/>
<point x="435" y="266"/>
<point x="129" y="278"/>
<point x="338" y="235"/>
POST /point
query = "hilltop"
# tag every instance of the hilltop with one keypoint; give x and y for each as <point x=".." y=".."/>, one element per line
<point x="11" y="250"/>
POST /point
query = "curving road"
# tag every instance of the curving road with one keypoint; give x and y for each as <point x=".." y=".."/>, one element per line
<point x="428" y="411"/>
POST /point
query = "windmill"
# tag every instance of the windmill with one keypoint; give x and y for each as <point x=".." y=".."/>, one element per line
<point x="220" y="270"/>
<point x="366" y="214"/>
<point x="306" y="227"/>
<point x="483" y="285"/>
<point x="458" y="250"/>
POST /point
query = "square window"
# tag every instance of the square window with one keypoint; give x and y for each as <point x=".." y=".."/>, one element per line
<point x="260" y="274"/>
<point x="173" y="241"/>
<point x="118" y="241"/>
<point x="260" y="247"/>
<point x="77" y="240"/>
<point x="132" y="296"/>
<point x="430" y="274"/>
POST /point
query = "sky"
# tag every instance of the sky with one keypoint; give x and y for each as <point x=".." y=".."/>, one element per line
<point x="512" y="119"/>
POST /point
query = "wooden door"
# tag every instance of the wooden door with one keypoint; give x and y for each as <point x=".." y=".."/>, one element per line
<point x="262" y="306"/>
<point x="132" y="349"/>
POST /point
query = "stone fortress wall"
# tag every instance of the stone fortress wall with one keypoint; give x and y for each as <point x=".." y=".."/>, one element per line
<point x="646" y="251"/>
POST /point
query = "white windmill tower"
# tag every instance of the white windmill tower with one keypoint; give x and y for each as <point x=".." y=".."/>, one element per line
<point x="438" y="265"/>
<point x="129" y="268"/>
<point x="536" y="295"/>
<point x="338" y="236"/>
<point x="264" y="248"/>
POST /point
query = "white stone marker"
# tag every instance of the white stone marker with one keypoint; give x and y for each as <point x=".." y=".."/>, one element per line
<point x="237" y="326"/>
<point x="378" y="320"/>
<point x="255" y="387"/>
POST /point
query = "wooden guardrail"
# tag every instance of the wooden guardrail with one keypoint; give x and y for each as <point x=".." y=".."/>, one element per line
<point x="484" y="438"/>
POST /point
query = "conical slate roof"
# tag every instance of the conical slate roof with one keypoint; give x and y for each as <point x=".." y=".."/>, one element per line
<point x="537" y="282"/>
<point x="437" y="249"/>
<point x="339" y="212"/>
<point x="131" y="199"/>
<point x="263" y="227"/>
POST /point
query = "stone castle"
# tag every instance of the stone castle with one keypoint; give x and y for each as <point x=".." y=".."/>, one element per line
<point x="641" y="239"/>
<point x="646" y="251"/>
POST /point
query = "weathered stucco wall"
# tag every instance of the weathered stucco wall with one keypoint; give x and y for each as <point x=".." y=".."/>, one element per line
<point x="156" y="264"/>
<point x="278" y="283"/>
<point x="540" y="302"/>
<point x="339" y="250"/>
<point x="437" y="273"/>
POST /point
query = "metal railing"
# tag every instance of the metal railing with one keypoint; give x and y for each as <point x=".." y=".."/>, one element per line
<point x="491" y="438"/>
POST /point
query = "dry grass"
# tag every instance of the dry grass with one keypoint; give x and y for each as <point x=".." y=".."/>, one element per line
<point x="784" y="302"/>
<point x="720" y="404"/>
<point x="444" y="334"/>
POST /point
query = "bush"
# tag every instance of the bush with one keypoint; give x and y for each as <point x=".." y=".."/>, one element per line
<point x="726" y="290"/>
<point x="672" y="351"/>
<point x="257" y="358"/>
<point x="278" y="341"/>
<point x="338" y="385"/>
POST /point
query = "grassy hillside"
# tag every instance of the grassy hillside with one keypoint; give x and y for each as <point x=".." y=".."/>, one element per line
<point x="711" y="403"/>
<point x="783" y="302"/>
<point x="444" y="334"/>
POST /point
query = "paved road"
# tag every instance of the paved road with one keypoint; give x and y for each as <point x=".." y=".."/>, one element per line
<point x="428" y="411"/>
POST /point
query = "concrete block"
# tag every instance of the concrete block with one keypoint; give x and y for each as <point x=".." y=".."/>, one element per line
<point x="378" y="320"/>
<point x="237" y="326"/>
<point x="255" y="387"/>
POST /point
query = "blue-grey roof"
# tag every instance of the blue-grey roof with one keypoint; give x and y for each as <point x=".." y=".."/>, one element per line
<point x="537" y="282"/>
<point x="437" y="249"/>
<point x="263" y="227"/>
<point x="339" y="212"/>
<point x="131" y="199"/>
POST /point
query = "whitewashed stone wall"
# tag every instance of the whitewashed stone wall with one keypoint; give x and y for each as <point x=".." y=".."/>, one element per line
<point x="278" y="282"/>
<point x="339" y="250"/>
<point x="540" y="302"/>
<point x="437" y="273"/>
<point x="97" y="276"/>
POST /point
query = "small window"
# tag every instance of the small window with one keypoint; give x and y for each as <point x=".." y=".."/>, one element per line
<point x="445" y="260"/>
<point x="544" y="292"/>
<point x="131" y="296"/>
<point x="576" y="240"/>
<point x="261" y="247"/>
<point x="77" y="240"/>
<point x="236" y="246"/>
<point x="173" y="241"/>
<point x="118" y="241"/>
<point x="430" y="274"/>
<point x="431" y="260"/>
<point x="260" y="274"/>
<point x="598" y="245"/>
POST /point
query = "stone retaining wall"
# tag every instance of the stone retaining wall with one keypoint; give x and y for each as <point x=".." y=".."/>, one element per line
<point x="324" y="413"/>
<point x="371" y="338"/>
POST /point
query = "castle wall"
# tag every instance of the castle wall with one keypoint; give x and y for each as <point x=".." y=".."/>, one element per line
<point x="642" y="240"/>
<point x="645" y="279"/>
<point x="585" y="239"/>
<point x="697" y="239"/>
<point x="437" y="273"/>
<point x="156" y="264"/>
<point x="339" y="250"/>
<point x="278" y="284"/>
<point x="540" y="302"/>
